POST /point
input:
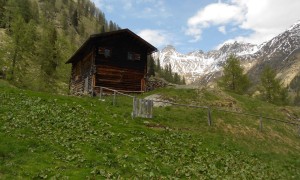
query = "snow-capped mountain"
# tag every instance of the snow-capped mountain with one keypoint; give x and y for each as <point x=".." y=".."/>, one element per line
<point x="198" y="64"/>
<point x="282" y="53"/>
<point x="277" y="53"/>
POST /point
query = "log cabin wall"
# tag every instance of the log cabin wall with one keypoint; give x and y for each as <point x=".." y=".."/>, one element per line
<point x="81" y="76"/>
<point x="123" y="69"/>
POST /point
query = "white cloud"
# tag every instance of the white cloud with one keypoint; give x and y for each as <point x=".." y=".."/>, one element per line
<point x="213" y="14"/>
<point x="158" y="38"/>
<point x="266" y="18"/>
<point x="222" y="29"/>
<point x="217" y="13"/>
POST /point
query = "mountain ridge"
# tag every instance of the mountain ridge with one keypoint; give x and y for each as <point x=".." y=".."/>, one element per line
<point x="200" y="66"/>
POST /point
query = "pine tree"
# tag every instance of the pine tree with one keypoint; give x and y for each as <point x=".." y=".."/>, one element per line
<point x="170" y="73"/>
<point x="158" y="67"/>
<point x="233" y="78"/>
<point x="111" y="26"/>
<point x="176" y="78"/>
<point x="151" y="65"/>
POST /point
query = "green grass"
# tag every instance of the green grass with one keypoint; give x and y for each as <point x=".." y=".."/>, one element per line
<point x="48" y="136"/>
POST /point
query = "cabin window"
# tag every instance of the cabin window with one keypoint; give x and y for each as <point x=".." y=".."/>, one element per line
<point x="133" y="56"/>
<point x="106" y="52"/>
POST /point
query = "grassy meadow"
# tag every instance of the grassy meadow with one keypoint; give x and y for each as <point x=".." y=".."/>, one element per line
<point x="49" y="136"/>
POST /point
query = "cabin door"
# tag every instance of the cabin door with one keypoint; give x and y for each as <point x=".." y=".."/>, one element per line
<point x="86" y="85"/>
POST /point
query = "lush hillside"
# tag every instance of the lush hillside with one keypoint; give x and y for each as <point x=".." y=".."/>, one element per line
<point x="38" y="36"/>
<point x="47" y="136"/>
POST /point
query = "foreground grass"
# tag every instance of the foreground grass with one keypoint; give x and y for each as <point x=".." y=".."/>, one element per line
<point x="47" y="136"/>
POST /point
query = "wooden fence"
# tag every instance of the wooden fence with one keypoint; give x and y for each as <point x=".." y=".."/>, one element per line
<point x="144" y="108"/>
<point x="210" y="109"/>
<point x="140" y="107"/>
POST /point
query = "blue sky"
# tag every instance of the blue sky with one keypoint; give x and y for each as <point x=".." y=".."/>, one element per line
<point x="205" y="25"/>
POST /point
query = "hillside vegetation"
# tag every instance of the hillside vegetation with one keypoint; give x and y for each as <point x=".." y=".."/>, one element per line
<point x="38" y="36"/>
<point x="47" y="136"/>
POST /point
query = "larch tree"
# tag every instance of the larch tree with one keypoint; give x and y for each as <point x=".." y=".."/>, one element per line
<point x="272" y="90"/>
<point x="233" y="78"/>
<point x="48" y="54"/>
<point x="22" y="46"/>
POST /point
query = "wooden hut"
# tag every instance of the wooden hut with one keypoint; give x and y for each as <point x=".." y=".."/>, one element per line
<point x="116" y="60"/>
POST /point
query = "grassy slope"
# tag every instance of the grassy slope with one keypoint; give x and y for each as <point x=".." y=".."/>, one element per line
<point x="50" y="136"/>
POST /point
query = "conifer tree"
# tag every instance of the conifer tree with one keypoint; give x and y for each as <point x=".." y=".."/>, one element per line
<point x="151" y="65"/>
<point x="11" y="12"/>
<point x="158" y="67"/>
<point x="103" y="29"/>
<point x="48" y="55"/>
<point x="22" y="41"/>
<point x="2" y="12"/>
<point x="233" y="78"/>
<point x="272" y="90"/>
<point x="111" y="26"/>
<point x="25" y="10"/>
<point x="176" y="78"/>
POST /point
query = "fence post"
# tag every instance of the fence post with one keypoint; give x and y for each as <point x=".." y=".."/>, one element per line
<point x="114" y="98"/>
<point x="151" y="109"/>
<point x="101" y="91"/>
<point x="208" y="116"/>
<point x="260" y="123"/>
<point x="134" y="107"/>
<point x="141" y="106"/>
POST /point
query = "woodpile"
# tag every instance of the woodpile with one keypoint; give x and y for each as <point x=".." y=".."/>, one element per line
<point x="154" y="83"/>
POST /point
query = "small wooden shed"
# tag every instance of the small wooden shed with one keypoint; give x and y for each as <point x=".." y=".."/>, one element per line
<point x="116" y="60"/>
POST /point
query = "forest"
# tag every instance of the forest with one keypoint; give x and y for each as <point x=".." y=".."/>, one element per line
<point x="38" y="36"/>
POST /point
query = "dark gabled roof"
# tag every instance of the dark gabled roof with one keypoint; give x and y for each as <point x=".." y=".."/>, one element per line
<point x="95" y="37"/>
